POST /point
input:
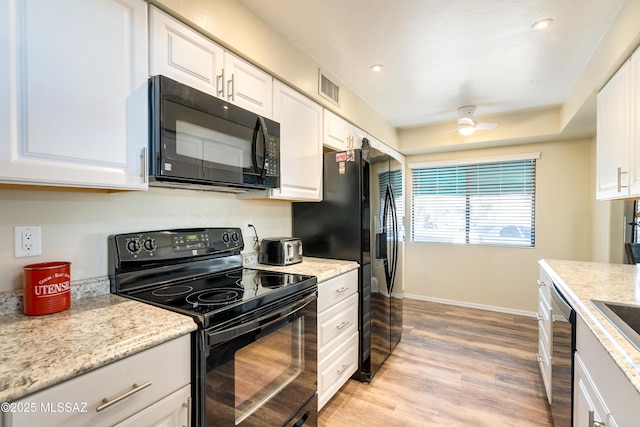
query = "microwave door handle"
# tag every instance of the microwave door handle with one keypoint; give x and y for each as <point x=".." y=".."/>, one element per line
<point x="260" y="124"/>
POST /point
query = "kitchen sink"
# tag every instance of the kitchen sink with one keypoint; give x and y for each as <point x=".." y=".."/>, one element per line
<point x="625" y="317"/>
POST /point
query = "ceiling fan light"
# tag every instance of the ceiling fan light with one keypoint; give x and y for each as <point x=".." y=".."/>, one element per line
<point x="466" y="129"/>
<point x="542" y="24"/>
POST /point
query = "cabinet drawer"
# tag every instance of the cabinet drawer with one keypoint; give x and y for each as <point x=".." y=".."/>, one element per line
<point x="544" y="322"/>
<point x="544" y="362"/>
<point x="336" y="324"/>
<point x="336" y="369"/>
<point x="109" y="382"/>
<point x="337" y="289"/>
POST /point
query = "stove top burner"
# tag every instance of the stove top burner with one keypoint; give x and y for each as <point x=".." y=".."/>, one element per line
<point x="172" y="291"/>
<point x="215" y="297"/>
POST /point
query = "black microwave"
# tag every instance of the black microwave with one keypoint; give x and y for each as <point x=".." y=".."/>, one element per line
<point x="203" y="142"/>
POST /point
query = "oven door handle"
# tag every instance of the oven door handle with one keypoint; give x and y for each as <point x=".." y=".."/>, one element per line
<point x="266" y="323"/>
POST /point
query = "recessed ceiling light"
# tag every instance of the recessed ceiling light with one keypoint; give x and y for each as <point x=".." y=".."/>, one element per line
<point x="542" y="24"/>
<point x="376" y="67"/>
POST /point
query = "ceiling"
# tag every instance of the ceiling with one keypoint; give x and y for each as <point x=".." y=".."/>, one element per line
<point x="439" y="55"/>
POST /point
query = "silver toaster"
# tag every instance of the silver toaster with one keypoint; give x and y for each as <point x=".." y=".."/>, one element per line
<point x="280" y="251"/>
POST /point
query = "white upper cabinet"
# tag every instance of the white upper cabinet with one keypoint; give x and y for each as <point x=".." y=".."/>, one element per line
<point x="247" y="86"/>
<point x="339" y="134"/>
<point x="73" y="93"/>
<point x="184" y="55"/>
<point x="618" y="134"/>
<point x="300" y="145"/>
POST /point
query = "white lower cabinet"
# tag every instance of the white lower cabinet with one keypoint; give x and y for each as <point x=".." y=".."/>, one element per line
<point x="603" y="395"/>
<point x="337" y="334"/>
<point x="544" y="331"/>
<point x="150" y="388"/>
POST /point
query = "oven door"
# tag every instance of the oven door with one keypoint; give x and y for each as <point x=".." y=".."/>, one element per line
<point x="199" y="138"/>
<point x="263" y="373"/>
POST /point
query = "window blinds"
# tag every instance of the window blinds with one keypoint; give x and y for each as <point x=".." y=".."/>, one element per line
<point x="490" y="203"/>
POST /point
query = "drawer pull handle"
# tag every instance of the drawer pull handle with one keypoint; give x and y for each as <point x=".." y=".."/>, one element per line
<point x="541" y="283"/>
<point x="342" y="289"/>
<point x="539" y="358"/>
<point x="343" y="325"/>
<point x="538" y="318"/>
<point x="136" y="388"/>
<point x="344" y="368"/>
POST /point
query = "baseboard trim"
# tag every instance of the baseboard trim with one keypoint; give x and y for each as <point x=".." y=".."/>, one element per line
<point x="472" y="305"/>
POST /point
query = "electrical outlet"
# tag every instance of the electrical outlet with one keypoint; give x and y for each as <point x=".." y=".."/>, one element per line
<point x="27" y="241"/>
<point x="248" y="231"/>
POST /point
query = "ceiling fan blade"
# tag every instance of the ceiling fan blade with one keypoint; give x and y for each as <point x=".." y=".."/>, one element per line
<point x="449" y="131"/>
<point x="486" y="126"/>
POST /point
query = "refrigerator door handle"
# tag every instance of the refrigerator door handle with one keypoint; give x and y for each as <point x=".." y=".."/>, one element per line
<point x="383" y="225"/>
<point x="395" y="237"/>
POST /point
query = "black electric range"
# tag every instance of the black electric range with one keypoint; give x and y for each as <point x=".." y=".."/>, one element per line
<point x="197" y="272"/>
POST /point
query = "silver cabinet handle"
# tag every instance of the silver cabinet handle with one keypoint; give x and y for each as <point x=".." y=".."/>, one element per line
<point x="343" y="325"/>
<point x="538" y="358"/>
<point x="344" y="368"/>
<point x="136" y="388"/>
<point x="620" y="186"/>
<point x="593" y="422"/>
<point x="143" y="168"/>
<point x="538" y="318"/>
<point x="541" y="283"/>
<point x="220" y="82"/>
<point x="231" y="91"/>
<point x="341" y="290"/>
<point x="188" y="406"/>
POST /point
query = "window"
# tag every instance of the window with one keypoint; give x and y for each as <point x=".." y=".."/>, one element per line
<point x="487" y="201"/>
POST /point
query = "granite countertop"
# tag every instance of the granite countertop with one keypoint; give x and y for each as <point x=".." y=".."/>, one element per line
<point x="41" y="351"/>
<point x="584" y="281"/>
<point x="323" y="269"/>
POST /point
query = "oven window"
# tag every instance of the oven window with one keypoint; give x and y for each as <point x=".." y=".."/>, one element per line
<point x="265" y="367"/>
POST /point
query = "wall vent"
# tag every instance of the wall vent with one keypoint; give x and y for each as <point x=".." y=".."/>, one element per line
<point x="328" y="89"/>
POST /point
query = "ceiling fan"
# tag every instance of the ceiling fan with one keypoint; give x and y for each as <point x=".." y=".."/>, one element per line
<point x="467" y="124"/>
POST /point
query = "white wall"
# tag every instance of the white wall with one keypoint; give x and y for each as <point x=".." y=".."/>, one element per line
<point x="75" y="224"/>
<point x="506" y="277"/>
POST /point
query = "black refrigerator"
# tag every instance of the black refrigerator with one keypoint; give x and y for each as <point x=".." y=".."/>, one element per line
<point x="357" y="220"/>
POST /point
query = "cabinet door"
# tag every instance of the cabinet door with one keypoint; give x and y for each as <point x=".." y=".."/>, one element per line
<point x="339" y="134"/>
<point x="587" y="402"/>
<point x="184" y="55"/>
<point x="248" y="86"/>
<point x="612" y="138"/>
<point x="300" y="144"/>
<point x="73" y="100"/>
<point x="634" y="139"/>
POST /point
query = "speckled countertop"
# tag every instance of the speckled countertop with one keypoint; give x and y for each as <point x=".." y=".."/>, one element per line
<point x="584" y="281"/>
<point x="323" y="269"/>
<point x="39" y="351"/>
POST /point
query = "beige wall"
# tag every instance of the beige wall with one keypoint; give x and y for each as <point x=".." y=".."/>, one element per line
<point x="505" y="277"/>
<point x="76" y="224"/>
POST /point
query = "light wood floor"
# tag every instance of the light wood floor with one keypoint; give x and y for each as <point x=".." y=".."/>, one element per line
<point x="453" y="367"/>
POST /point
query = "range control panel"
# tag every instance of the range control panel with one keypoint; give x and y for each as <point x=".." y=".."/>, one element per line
<point x="174" y="244"/>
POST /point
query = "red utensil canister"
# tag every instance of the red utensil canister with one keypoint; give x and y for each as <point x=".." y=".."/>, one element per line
<point x="47" y="287"/>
